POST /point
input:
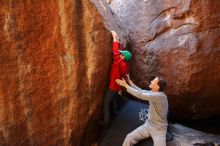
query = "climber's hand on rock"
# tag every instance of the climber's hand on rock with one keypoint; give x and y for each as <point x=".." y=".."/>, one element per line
<point x="109" y="1"/>
<point x="115" y="36"/>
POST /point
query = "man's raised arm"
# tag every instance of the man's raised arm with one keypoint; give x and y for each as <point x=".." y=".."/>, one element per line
<point x="134" y="92"/>
<point x="115" y="36"/>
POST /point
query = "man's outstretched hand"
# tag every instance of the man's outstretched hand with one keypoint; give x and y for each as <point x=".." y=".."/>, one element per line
<point x="122" y="82"/>
<point x="130" y="82"/>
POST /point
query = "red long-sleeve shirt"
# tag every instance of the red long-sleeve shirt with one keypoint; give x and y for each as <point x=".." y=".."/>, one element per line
<point x="119" y="68"/>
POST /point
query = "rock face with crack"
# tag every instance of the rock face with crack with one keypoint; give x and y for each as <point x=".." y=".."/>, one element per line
<point x="179" y="40"/>
<point x="55" y="58"/>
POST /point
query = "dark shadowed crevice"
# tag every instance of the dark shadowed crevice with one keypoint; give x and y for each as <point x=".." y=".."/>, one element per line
<point x="81" y="65"/>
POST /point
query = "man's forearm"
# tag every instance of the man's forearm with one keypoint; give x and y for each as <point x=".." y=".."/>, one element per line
<point x="138" y="94"/>
<point x="135" y="86"/>
<point x="126" y="86"/>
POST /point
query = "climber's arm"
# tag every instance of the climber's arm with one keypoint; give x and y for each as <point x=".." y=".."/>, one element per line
<point x="116" y="45"/>
<point x="115" y="36"/>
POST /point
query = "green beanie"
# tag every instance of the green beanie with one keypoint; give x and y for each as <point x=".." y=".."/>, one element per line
<point x="126" y="54"/>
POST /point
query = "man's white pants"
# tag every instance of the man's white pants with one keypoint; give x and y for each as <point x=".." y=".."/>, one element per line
<point x="142" y="132"/>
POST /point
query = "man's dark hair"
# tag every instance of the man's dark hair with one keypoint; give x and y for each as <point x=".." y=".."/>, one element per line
<point x="162" y="83"/>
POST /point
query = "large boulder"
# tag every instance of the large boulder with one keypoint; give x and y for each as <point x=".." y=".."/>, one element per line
<point x="54" y="64"/>
<point x="179" y="40"/>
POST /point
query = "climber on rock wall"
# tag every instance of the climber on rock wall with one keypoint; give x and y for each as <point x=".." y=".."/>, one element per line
<point x="119" y="69"/>
<point x="156" y="124"/>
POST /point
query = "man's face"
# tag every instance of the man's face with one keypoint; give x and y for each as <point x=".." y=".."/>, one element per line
<point x="122" y="57"/>
<point x="154" y="84"/>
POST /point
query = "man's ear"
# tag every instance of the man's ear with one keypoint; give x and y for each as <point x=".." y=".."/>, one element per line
<point x="158" y="87"/>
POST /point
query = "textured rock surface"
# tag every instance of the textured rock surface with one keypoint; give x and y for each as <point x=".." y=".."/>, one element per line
<point x="184" y="136"/>
<point x="179" y="40"/>
<point x="54" y="57"/>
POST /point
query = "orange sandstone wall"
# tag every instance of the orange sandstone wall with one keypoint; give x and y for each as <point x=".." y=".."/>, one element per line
<point x="54" y="63"/>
